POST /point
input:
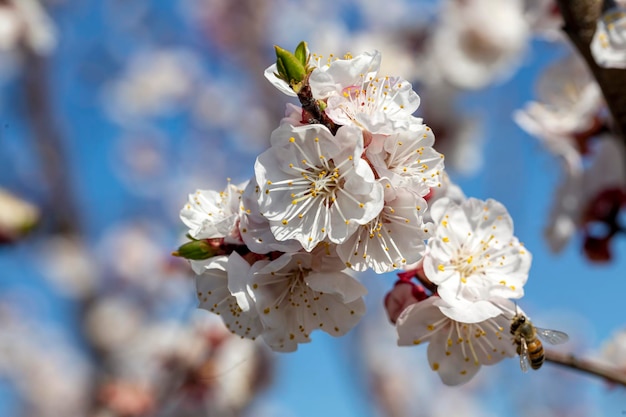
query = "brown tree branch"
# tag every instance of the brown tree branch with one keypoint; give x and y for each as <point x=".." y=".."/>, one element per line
<point x="49" y="144"/>
<point x="587" y="366"/>
<point x="580" y="19"/>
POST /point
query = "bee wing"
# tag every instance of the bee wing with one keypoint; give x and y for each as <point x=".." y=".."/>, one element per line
<point x="554" y="337"/>
<point x="524" y="360"/>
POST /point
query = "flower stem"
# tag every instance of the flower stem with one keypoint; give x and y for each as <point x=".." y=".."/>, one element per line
<point x="311" y="111"/>
<point x="590" y="367"/>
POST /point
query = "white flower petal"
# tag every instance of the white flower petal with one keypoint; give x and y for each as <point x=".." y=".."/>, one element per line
<point x="283" y="87"/>
<point x="337" y="284"/>
<point x="293" y="300"/>
<point x="456" y="349"/>
<point x="392" y="240"/>
<point x="255" y="229"/>
<point x="238" y="281"/>
<point x="465" y="311"/>
<point x="212" y="214"/>
<point x="214" y="296"/>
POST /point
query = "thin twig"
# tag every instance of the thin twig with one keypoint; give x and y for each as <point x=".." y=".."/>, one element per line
<point x="587" y="366"/>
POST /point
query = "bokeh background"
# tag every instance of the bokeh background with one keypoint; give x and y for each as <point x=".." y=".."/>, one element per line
<point x="112" y="111"/>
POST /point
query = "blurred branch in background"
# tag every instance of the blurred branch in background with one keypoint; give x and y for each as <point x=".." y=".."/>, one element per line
<point x="590" y="367"/>
<point x="50" y="145"/>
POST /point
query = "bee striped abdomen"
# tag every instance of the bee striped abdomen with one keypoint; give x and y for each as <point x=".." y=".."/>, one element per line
<point x="535" y="354"/>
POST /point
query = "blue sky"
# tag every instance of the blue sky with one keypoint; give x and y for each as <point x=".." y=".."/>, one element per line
<point x="324" y="377"/>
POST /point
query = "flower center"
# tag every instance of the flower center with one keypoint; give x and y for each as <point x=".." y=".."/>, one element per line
<point x="293" y="286"/>
<point x="372" y="96"/>
<point x="324" y="182"/>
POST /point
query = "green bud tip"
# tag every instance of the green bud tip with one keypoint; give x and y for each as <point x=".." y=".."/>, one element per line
<point x="292" y="67"/>
<point x="195" y="250"/>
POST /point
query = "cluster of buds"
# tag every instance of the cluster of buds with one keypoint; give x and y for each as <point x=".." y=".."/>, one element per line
<point x="351" y="182"/>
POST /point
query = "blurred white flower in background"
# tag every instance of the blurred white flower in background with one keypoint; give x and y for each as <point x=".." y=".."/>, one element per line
<point x="477" y="42"/>
<point x="43" y="367"/>
<point x="17" y="216"/>
<point x="613" y="351"/>
<point x="69" y="266"/>
<point x="155" y="83"/>
<point x="568" y="107"/>
<point x="588" y="195"/>
<point x="112" y="321"/>
<point x="26" y="21"/>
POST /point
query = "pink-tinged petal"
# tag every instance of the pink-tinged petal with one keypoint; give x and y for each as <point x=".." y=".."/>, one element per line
<point x="419" y="322"/>
<point x="328" y="80"/>
<point x="403" y="294"/>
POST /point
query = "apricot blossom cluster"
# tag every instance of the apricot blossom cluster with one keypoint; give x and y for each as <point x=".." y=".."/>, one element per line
<point x="351" y="182"/>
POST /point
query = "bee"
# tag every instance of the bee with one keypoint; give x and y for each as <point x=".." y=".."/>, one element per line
<point x="529" y="347"/>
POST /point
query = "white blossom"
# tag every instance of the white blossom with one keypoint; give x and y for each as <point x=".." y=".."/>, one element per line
<point x="608" y="45"/>
<point x="407" y="160"/>
<point x="357" y="95"/>
<point x="156" y="82"/>
<point x="568" y="104"/>
<point x="477" y="42"/>
<point x="331" y="77"/>
<point x="26" y="21"/>
<point x="297" y="294"/>
<point x="314" y="185"/>
<point x="211" y="214"/>
<point x="473" y="257"/>
<point x="456" y="349"/>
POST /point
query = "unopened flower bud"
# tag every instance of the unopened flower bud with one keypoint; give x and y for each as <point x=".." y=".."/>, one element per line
<point x="292" y="67"/>
<point x="196" y="250"/>
<point x="403" y="294"/>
